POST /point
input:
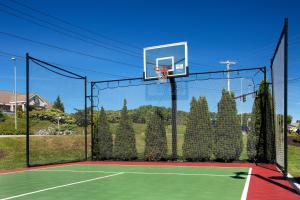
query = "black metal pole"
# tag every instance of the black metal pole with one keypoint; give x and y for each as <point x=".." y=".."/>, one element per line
<point x="27" y="110"/>
<point x="85" y="118"/>
<point x="92" y="120"/>
<point x="174" y="112"/>
<point x="265" y="99"/>
<point x="285" y="96"/>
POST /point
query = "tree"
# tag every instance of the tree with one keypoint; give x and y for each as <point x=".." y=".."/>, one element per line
<point x="58" y="104"/>
<point x="156" y="139"/>
<point x="79" y="117"/>
<point x="204" y="130"/>
<point x="189" y="146"/>
<point x="289" y="119"/>
<point x="198" y="139"/>
<point x="125" y="148"/>
<point x="261" y="138"/>
<point x="228" y="135"/>
<point x="103" y="143"/>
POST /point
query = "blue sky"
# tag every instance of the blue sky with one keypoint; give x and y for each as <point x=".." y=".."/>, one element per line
<point x="244" y="31"/>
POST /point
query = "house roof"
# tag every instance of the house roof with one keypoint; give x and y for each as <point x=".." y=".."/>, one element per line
<point x="6" y="97"/>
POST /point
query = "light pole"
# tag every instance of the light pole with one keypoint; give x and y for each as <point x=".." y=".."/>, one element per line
<point x="15" y="90"/>
<point x="58" y="119"/>
<point x="228" y="63"/>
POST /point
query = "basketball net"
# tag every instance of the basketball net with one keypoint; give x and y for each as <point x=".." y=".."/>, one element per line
<point x="162" y="73"/>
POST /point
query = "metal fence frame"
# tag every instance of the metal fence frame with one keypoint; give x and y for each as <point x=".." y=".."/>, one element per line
<point x="173" y="99"/>
<point x="54" y="67"/>
<point x="284" y="34"/>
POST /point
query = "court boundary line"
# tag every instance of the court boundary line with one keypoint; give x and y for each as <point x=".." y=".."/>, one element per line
<point x="170" y="164"/>
<point x="18" y="170"/>
<point x="141" y="173"/>
<point x="130" y="164"/>
<point x="246" y="187"/>
<point x="60" y="186"/>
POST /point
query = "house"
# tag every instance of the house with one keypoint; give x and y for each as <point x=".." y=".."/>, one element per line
<point x="7" y="101"/>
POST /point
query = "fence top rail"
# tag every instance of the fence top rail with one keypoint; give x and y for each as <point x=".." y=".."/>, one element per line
<point x="190" y="74"/>
<point x="283" y="33"/>
<point x="54" y="66"/>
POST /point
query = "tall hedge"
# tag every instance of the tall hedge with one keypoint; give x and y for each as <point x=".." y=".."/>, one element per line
<point x="204" y="130"/>
<point x="261" y="138"/>
<point x="198" y="139"/>
<point x="156" y="139"/>
<point x="228" y="134"/>
<point x="191" y="139"/>
<point x="125" y="145"/>
<point x="103" y="143"/>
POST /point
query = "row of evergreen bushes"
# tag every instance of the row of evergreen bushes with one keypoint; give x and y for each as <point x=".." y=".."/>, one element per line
<point x="203" y="140"/>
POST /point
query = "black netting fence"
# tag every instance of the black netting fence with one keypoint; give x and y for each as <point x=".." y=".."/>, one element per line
<point x="279" y="80"/>
<point x="134" y="120"/>
<point x="56" y="114"/>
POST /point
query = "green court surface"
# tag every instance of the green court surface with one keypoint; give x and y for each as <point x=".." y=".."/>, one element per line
<point x="125" y="183"/>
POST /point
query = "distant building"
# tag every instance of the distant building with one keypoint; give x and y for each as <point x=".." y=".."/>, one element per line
<point x="7" y="101"/>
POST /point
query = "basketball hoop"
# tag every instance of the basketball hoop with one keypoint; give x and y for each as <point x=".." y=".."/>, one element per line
<point x="162" y="73"/>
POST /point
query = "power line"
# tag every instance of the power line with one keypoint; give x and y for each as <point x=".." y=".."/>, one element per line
<point x="74" y="25"/>
<point x="67" y="66"/>
<point x="67" y="32"/>
<point x="68" y="50"/>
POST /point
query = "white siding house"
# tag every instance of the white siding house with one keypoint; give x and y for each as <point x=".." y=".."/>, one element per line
<point x="7" y="101"/>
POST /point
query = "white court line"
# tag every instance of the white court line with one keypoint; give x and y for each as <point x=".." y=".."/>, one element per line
<point x="246" y="187"/>
<point x="175" y="166"/>
<point x="60" y="186"/>
<point x="142" y="173"/>
<point x="36" y="169"/>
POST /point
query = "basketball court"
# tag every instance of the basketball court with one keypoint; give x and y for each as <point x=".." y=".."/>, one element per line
<point x="145" y="180"/>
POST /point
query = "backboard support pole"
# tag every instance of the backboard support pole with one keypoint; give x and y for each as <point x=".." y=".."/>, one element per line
<point x="174" y="112"/>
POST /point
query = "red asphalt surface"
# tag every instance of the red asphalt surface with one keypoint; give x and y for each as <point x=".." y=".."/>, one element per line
<point x="266" y="182"/>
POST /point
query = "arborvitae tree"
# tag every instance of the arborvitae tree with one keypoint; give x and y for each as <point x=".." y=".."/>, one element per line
<point x="228" y="134"/>
<point x="58" y="104"/>
<point x="156" y="139"/>
<point x="103" y="142"/>
<point x="125" y="148"/>
<point x="191" y="137"/>
<point x="261" y="138"/>
<point x="204" y="130"/>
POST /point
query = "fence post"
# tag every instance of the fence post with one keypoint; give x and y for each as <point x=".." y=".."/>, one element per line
<point x="92" y="120"/>
<point x="27" y="110"/>
<point x="85" y="118"/>
<point x="174" y="112"/>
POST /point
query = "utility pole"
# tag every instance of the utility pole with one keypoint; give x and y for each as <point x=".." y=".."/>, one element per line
<point x="228" y="63"/>
<point x="15" y="90"/>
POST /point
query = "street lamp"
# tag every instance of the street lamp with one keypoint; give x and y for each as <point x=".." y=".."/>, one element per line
<point x="58" y="119"/>
<point x="15" y="90"/>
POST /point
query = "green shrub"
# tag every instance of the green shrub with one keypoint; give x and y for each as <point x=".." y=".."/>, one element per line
<point x="256" y="143"/>
<point x="228" y="134"/>
<point x="191" y="139"/>
<point x="198" y="138"/>
<point x="156" y="139"/>
<point x="125" y="144"/>
<point x="52" y="116"/>
<point x="12" y="131"/>
<point x="103" y="143"/>
<point x="2" y="117"/>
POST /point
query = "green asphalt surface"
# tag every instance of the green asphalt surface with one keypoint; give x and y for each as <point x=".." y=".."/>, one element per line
<point x="119" y="182"/>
